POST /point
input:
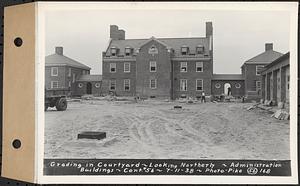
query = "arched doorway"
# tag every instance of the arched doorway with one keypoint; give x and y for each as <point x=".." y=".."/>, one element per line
<point x="89" y="88"/>
<point x="227" y="89"/>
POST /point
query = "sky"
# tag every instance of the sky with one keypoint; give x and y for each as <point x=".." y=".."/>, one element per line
<point x="237" y="35"/>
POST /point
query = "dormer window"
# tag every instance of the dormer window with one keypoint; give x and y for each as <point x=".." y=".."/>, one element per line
<point x="128" y="51"/>
<point x="200" y="49"/>
<point x="184" y="50"/>
<point x="113" y="51"/>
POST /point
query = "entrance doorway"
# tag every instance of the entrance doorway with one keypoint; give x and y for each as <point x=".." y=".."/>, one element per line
<point x="227" y="89"/>
<point x="89" y="88"/>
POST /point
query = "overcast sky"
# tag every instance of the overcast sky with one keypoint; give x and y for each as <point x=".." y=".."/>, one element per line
<point x="238" y="35"/>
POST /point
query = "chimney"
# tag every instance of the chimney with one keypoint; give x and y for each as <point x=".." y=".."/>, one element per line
<point x="116" y="34"/>
<point x="209" y="29"/>
<point x="59" y="50"/>
<point x="269" y="46"/>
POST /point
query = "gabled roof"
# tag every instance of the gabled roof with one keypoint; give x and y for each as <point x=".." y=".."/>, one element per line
<point x="89" y="77"/>
<point x="265" y="57"/>
<point x="227" y="77"/>
<point x="56" y="59"/>
<point x="174" y="43"/>
<point x="278" y="60"/>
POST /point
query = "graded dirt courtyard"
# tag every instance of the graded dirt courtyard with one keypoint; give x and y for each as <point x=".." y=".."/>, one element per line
<point x="155" y="130"/>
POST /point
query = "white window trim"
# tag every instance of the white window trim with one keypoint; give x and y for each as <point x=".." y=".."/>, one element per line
<point x="52" y="83"/>
<point x="256" y="87"/>
<point x="256" y="72"/>
<point x="237" y="85"/>
<point x="80" y="85"/>
<point x="155" y="83"/>
<point x="181" y="65"/>
<point x="97" y="85"/>
<point x="197" y="84"/>
<point x="154" y="66"/>
<point x="110" y="67"/>
<point x="181" y="80"/>
<point x="219" y="85"/>
<point x="128" y="84"/>
<point x="110" y="82"/>
<point x="199" y="62"/>
<point x="125" y="68"/>
<point x="52" y="71"/>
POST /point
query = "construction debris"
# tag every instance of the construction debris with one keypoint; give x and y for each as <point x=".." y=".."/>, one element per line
<point x="281" y="115"/>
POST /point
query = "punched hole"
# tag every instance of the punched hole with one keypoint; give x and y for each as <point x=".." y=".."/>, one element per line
<point x="16" y="143"/>
<point x="18" y="42"/>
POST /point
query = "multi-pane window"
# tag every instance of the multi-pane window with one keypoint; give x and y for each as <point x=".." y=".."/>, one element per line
<point x="199" y="84"/>
<point x="54" y="71"/>
<point x="183" y="85"/>
<point x="153" y="83"/>
<point x="199" y="66"/>
<point x="127" y="51"/>
<point x="70" y="72"/>
<point x="113" y="67"/>
<point x="112" y="84"/>
<point x="152" y="66"/>
<point x="126" y="67"/>
<point x="113" y="51"/>
<point x="258" y="69"/>
<point x="184" y="50"/>
<point x="126" y="84"/>
<point x="183" y="67"/>
<point x="257" y="85"/>
<point x="54" y="84"/>
<point x="200" y="49"/>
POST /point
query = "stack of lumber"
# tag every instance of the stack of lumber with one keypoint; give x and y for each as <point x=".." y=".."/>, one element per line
<point x="281" y="115"/>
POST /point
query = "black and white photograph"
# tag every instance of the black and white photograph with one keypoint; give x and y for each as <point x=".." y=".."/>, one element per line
<point x="161" y="83"/>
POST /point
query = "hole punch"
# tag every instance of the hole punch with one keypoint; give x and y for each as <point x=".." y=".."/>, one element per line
<point x="18" y="42"/>
<point x="16" y="143"/>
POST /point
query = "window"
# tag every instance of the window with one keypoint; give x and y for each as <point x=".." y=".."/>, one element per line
<point x="199" y="84"/>
<point x="152" y="66"/>
<point x="183" y="67"/>
<point x="218" y="85"/>
<point x="126" y="67"/>
<point x="153" y="50"/>
<point x="288" y="82"/>
<point x="112" y="85"/>
<point x="80" y="85"/>
<point x="54" y="71"/>
<point x="97" y="85"/>
<point x="54" y="84"/>
<point x="258" y="69"/>
<point x="126" y="84"/>
<point x="74" y="77"/>
<point x="153" y="83"/>
<point x="184" y="50"/>
<point x="69" y="83"/>
<point x="183" y="85"/>
<point x="70" y="72"/>
<point x="113" y="67"/>
<point x="127" y="51"/>
<point x="237" y="85"/>
<point x="258" y="85"/>
<point x="200" y="49"/>
<point x="113" y="51"/>
<point x="199" y="66"/>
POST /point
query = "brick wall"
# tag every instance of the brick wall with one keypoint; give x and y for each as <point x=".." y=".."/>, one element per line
<point x="233" y="83"/>
<point x="191" y="75"/>
<point x="119" y="76"/>
<point x="96" y="91"/>
<point x="251" y="77"/>
<point x="162" y="74"/>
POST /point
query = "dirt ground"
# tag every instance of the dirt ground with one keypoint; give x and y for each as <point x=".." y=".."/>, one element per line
<point x="154" y="129"/>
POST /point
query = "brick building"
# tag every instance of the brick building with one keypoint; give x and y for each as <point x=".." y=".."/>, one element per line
<point x="62" y="72"/>
<point x="158" y="67"/>
<point x="176" y="67"/>
<point x="275" y="78"/>
<point x="252" y="67"/>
